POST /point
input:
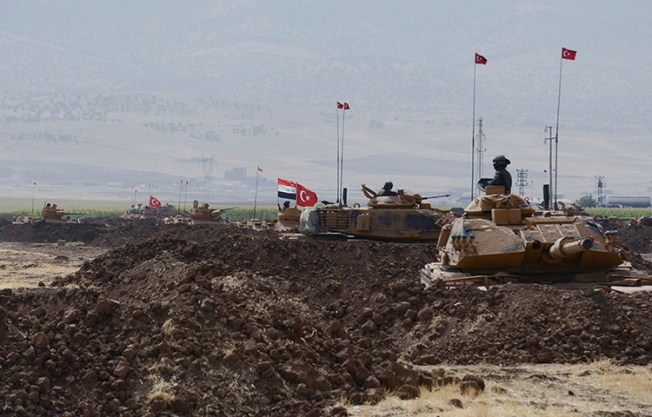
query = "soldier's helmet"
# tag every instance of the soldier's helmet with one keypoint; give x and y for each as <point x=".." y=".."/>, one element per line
<point x="388" y="185"/>
<point x="501" y="160"/>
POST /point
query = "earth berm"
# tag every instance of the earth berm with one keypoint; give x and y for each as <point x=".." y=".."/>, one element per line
<point x="223" y="320"/>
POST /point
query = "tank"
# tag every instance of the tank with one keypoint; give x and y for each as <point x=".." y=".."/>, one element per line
<point x="204" y="214"/>
<point x="502" y="238"/>
<point x="51" y="213"/>
<point x="400" y="217"/>
<point x="140" y="212"/>
<point x="288" y="219"/>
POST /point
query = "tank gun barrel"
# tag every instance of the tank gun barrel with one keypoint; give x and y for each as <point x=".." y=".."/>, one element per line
<point x="566" y="247"/>
<point x="436" y="196"/>
<point x="225" y="209"/>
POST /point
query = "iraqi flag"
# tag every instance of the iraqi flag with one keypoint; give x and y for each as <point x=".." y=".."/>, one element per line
<point x="154" y="202"/>
<point x="287" y="189"/>
<point x="305" y="197"/>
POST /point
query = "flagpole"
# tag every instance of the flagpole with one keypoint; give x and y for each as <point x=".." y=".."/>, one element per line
<point x="548" y="129"/>
<point x="185" y="197"/>
<point x="473" y="135"/>
<point x="337" y="111"/>
<point x="256" y="193"/>
<point x="180" y="187"/>
<point x="342" y="158"/>
<point x="33" y="191"/>
<point x="561" y="61"/>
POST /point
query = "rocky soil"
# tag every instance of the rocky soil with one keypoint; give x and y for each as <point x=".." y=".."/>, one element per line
<point x="221" y="320"/>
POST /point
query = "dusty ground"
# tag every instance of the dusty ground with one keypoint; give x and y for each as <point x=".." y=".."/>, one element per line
<point x="25" y="264"/>
<point x="595" y="389"/>
<point x="220" y="320"/>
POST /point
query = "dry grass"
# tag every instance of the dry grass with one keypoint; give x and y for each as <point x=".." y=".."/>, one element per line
<point x="161" y="390"/>
<point x="530" y="390"/>
<point x="168" y="328"/>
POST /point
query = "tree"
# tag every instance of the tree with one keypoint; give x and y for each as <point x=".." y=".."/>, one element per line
<point x="587" y="201"/>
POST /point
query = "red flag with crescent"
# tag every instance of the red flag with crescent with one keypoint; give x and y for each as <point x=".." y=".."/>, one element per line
<point x="568" y="54"/>
<point x="340" y="105"/>
<point x="154" y="202"/>
<point x="305" y="197"/>
<point x="479" y="59"/>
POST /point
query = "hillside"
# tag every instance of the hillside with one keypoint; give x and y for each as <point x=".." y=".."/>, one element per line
<point x="99" y="99"/>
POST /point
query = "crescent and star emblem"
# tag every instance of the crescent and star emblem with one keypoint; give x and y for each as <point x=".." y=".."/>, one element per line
<point x="304" y="196"/>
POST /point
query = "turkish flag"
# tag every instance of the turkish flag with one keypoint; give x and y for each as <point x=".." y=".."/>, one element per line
<point x="154" y="202"/>
<point x="305" y="197"/>
<point x="479" y="59"/>
<point x="346" y="106"/>
<point x="340" y="105"/>
<point x="568" y="54"/>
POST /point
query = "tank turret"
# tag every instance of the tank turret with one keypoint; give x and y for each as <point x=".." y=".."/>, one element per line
<point x="52" y="213"/>
<point x="202" y="213"/>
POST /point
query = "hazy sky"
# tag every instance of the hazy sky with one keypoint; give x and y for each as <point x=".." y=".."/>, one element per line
<point x="405" y="61"/>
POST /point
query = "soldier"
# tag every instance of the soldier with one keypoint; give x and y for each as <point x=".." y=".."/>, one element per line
<point x="502" y="176"/>
<point x="387" y="190"/>
<point x="286" y="205"/>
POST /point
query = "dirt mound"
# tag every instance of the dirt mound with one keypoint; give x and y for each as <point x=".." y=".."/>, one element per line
<point x="96" y="232"/>
<point x="217" y="320"/>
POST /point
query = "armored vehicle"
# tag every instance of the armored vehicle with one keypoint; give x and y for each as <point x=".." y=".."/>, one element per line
<point x="398" y="217"/>
<point x="288" y="219"/>
<point x="51" y="213"/>
<point x="203" y="214"/>
<point x="502" y="238"/>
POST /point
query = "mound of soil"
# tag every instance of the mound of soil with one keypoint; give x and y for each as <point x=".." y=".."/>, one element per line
<point x="220" y="320"/>
<point x="95" y="232"/>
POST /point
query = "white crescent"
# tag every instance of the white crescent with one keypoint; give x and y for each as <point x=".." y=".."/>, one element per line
<point x="301" y="194"/>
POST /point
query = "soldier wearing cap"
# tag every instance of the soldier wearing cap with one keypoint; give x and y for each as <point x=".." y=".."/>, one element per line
<point x="502" y="176"/>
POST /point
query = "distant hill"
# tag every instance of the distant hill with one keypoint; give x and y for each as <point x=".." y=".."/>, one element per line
<point x="98" y="98"/>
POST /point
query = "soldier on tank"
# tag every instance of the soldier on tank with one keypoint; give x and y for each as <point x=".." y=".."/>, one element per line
<point x="502" y="176"/>
<point x="387" y="190"/>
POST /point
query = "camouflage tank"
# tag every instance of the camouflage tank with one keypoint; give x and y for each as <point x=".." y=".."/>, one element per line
<point x="140" y="212"/>
<point x="400" y="217"/>
<point x="502" y="238"/>
<point x="288" y="219"/>
<point x="204" y="214"/>
<point x="51" y="213"/>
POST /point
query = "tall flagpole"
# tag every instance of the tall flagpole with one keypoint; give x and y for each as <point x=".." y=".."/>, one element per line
<point x="185" y="197"/>
<point x="342" y="157"/>
<point x="337" y="111"/>
<point x="561" y="61"/>
<point x="33" y="192"/>
<point x="473" y="135"/>
<point x="570" y="55"/>
<point x="256" y="192"/>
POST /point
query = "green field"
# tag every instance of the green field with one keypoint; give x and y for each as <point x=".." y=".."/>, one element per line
<point x="103" y="208"/>
<point x="620" y="212"/>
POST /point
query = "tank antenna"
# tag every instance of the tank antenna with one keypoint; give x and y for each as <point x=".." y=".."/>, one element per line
<point x="480" y="149"/>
